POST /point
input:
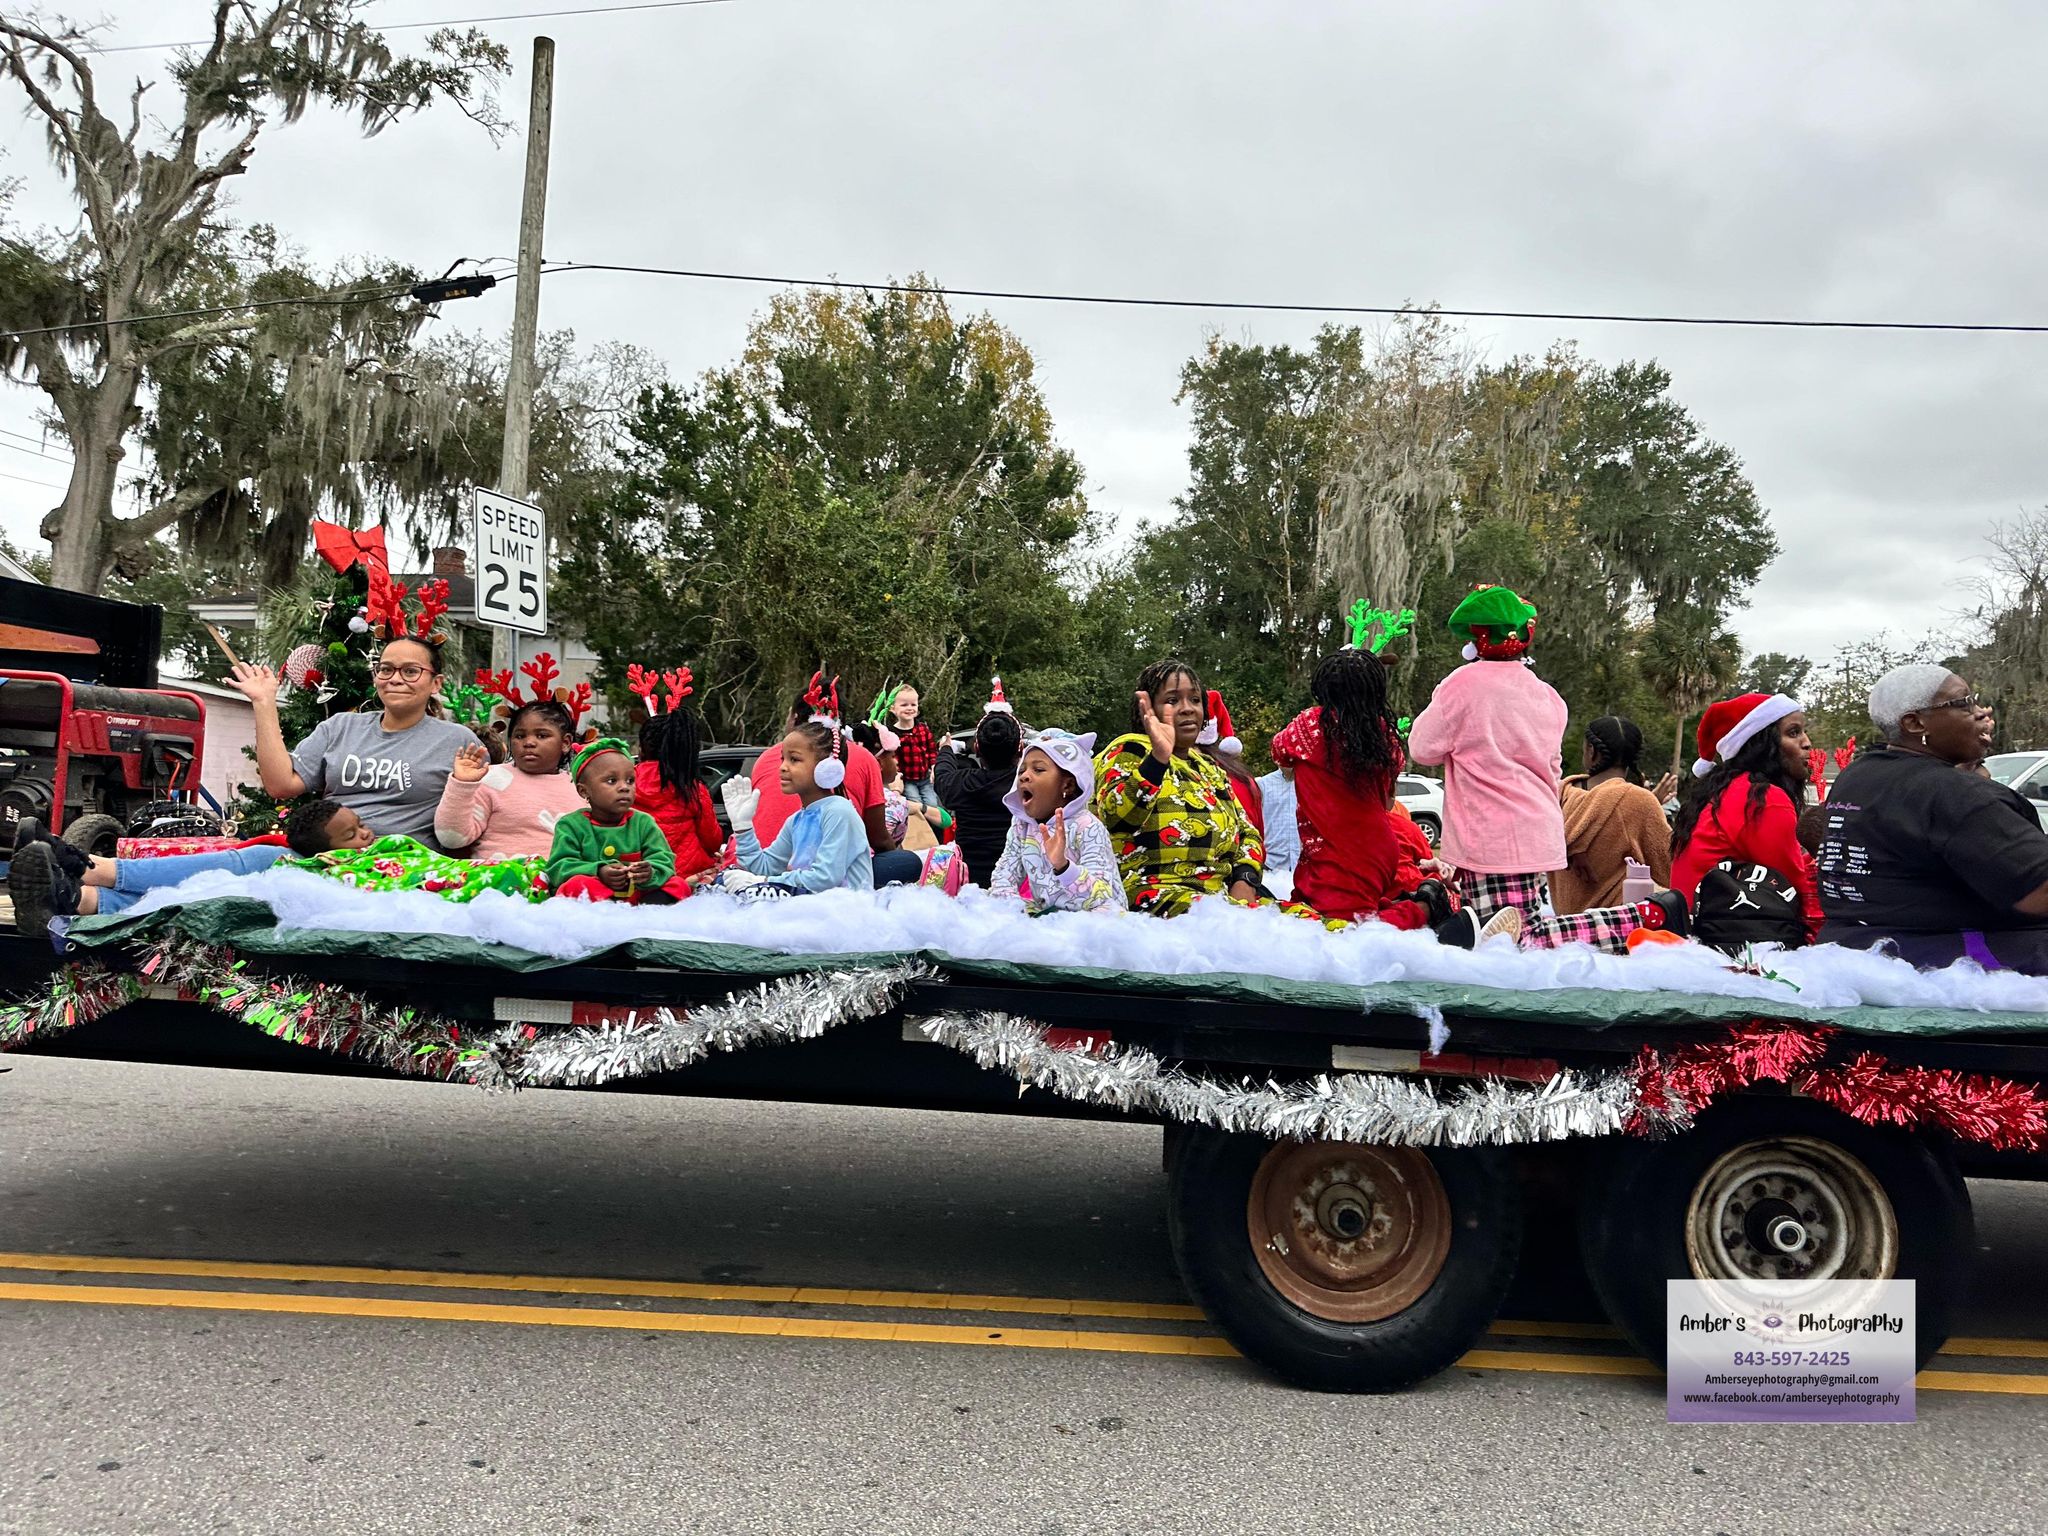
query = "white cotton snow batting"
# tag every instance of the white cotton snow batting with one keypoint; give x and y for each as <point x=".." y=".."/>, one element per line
<point x="1214" y="938"/>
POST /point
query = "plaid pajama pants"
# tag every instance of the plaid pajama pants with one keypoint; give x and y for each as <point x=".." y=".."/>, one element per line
<point x="1602" y="928"/>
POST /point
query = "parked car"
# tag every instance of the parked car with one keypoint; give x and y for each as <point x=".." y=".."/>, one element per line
<point x="716" y="764"/>
<point x="1424" y="799"/>
<point x="2026" y="772"/>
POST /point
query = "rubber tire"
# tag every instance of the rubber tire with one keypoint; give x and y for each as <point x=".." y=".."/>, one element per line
<point x="1432" y="829"/>
<point x="1632" y="1224"/>
<point x="1211" y="1177"/>
<point x="94" y="833"/>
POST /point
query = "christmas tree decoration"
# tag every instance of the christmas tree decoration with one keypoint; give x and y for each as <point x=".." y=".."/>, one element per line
<point x="1374" y="629"/>
<point x="302" y="668"/>
<point x="344" y="548"/>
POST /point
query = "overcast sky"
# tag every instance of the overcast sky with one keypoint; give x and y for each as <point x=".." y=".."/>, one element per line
<point x="1865" y="160"/>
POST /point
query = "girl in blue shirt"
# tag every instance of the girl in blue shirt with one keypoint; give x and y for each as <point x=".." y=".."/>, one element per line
<point x="824" y="845"/>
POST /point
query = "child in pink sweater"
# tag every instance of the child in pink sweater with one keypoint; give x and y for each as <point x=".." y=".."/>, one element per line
<point x="509" y="811"/>
<point x="1498" y="729"/>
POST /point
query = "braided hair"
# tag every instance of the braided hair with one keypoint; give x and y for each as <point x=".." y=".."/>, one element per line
<point x="1154" y="679"/>
<point x="1762" y="761"/>
<point x="1361" y="739"/>
<point x="672" y="742"/>
<point x="1617" y="742"/>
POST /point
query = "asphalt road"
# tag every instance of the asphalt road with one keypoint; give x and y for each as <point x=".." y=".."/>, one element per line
<point x="332" y="1395"/>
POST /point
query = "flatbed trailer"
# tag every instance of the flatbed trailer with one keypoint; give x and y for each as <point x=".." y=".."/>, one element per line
<point x="1347" y="1205"/>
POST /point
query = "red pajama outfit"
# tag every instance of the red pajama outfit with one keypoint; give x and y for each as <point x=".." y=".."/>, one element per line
<point x="1355" y="860"/>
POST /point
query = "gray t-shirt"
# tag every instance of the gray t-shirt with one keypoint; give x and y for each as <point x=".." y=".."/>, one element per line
<point x="392" y="779"/>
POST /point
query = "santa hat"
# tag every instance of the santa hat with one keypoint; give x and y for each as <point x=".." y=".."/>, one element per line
<point x="1727" y="727"/>
<point x="1217" y="730"/>
<point x="997" y="704"/>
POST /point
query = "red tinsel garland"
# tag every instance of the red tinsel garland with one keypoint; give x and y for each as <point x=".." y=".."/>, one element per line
<point x="1995" y="1111"/>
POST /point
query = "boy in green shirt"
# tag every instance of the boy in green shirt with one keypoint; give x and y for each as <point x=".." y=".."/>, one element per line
<point x="609" y="851"/>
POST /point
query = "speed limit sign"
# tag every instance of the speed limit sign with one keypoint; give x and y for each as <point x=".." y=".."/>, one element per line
<point x="511" y="562"/>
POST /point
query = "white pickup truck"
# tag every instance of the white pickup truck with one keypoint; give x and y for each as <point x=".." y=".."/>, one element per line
<point x="2026" y="772"/>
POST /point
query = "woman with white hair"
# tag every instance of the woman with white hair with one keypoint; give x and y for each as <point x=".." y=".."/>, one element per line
<point x="1936" y="864"/>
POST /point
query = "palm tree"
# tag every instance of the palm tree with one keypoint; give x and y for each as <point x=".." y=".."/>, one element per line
<point x="1690" y="657"/>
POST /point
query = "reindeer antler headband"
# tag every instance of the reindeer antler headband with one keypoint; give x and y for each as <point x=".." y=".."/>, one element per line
<point x="387" y="613"/>
<point x="541" y="672"/>
<point x="648" y="683"/>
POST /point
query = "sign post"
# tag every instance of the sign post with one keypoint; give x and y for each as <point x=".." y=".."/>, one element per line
<point x="511" y="562"/>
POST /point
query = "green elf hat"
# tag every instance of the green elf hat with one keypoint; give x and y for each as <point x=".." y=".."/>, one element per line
<point x="597" y="748"/>
<point x="1497" y="624"/>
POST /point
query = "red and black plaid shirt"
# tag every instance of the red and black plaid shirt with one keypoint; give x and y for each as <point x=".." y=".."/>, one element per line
<point x="918" y="753"/>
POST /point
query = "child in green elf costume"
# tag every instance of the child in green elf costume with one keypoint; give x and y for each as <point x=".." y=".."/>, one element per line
<point x="330" y="839"/>
<point x="608" y="851"/>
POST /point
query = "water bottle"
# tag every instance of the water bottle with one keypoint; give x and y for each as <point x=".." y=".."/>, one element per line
<point x="1636" y="884"/>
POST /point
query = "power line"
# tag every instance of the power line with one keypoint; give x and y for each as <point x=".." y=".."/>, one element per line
<point x="36" y="453"/>
<point x="449" y="21"/>
<point x="24" y="479"/>
<point x="215" y="309"/>
<point x="1138" y="302"/>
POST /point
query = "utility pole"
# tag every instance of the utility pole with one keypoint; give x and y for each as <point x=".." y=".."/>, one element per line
<point x="533" y="207"/>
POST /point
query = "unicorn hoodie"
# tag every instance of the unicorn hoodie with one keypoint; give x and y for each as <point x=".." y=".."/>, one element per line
<point x="1091" y="878"/>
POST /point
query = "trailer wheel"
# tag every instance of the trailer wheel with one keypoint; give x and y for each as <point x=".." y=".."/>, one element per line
<point x="1777" y="1189"/>
<point x="95" y="833"/>
<point x="1339" y="1267"/>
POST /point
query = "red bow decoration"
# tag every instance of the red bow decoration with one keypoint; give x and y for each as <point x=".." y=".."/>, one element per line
<point x="645" y="682"/>
<point x="822" y="697"/>
<point x="541" y="672"/>
<point x="343" y="547"/>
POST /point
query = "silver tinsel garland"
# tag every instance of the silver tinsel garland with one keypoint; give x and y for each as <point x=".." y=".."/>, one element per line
<point x="1358" y="1107"/>
<point x="1355" y="1107"/>
<point x="666" y="1039"/>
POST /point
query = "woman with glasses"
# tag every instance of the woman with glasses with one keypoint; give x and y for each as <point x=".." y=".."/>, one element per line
<point x="389" y="768"/>
<point x="1934" y="864"/>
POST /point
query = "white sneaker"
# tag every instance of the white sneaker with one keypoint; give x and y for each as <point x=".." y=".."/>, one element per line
<point x="1508" y="921"/>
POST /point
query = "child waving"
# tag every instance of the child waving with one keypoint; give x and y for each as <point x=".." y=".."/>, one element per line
<point x="1058" y="856"/>
<point x="823" y="846"/>
<point x="509" y="811"/>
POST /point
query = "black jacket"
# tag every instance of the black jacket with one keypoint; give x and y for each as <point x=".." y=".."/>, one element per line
<point x="974" y="795"/>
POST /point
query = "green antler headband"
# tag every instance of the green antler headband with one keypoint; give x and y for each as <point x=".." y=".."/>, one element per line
<point x="878" y="712"/>
<point x="1373" y="629"/>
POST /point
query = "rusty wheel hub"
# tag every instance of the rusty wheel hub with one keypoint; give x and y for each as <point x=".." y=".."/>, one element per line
<point x="1348" y="1233"/>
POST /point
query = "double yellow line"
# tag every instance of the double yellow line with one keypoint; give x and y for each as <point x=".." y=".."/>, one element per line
<point x="313" y="1304"/>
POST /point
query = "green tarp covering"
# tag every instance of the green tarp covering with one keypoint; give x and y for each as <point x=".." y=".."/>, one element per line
<point x="251" y="927"/>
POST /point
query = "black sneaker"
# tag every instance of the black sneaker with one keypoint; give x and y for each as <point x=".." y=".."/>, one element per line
<point x="1666" y="912"/>
<point x="1460" y="930"/>
<point x="73" y="861"/>
<point x="39" y="889"/>
<point x="1436" y="901"/>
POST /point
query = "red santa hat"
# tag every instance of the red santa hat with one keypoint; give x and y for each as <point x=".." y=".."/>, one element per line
<point x="1730" y="725"/>
<point x="1217" y="730"/>
<point x="997" y="704"/>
